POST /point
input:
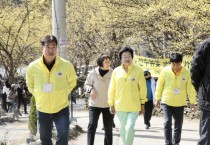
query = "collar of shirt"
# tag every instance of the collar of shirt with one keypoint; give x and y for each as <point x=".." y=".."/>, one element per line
<point x="129" y="67"/>
<point x="178" y="72"/>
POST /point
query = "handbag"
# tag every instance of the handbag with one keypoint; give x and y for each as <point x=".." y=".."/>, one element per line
<point x="12" y="95"/>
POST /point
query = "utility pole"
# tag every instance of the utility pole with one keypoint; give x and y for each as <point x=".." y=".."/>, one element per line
<point x="59" y="26"/>
<point x="59" y="31"/>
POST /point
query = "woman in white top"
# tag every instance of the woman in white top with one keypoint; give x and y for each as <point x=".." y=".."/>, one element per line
<point x="5" y="93"/>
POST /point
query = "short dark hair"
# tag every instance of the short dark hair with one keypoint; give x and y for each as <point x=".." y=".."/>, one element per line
<point x="20" y="82"/>
<point x="48" y="38"/>
<point x="125" y="49"/>
<point x="146" y="73"/>
<point x="7" y="84"/>
<point x="176" y="57"/>
<point x="101" y="58"/>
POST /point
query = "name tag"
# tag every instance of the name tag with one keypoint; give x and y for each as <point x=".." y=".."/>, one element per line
<point x="47" y="88"/>
<point x="176" y="91"/>
<point x="132" y="78"/>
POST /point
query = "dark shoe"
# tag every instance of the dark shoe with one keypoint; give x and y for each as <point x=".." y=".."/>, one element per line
<point x="147" y="127"/>
<point x="26" y="112"/>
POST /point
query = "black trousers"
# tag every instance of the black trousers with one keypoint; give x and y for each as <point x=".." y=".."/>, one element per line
<point x="4" y="102"/>
<point x="204" y="127"/>
<point x="22" y="100"/>
<point x="148" y="107"/>
<point x="177" y="113"/>
<point x="94" y="113"/>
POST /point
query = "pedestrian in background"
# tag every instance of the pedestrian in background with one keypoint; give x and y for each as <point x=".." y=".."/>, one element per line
<point x="96" y="85"/>
<point x="149" y="105"/>
<point x="5" y="93"/>
<point x="127" y="94"/>
<point x="200" y="75"/>
<point x="20" y="96"/>
<point x="12" y="99"/>
<point x="12" y="102"/>
<point x="173" y="87"/>
<point x="50" y="79"/>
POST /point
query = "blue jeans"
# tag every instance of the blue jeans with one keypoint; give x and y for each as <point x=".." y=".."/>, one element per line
<point x="204" y="127"/>
<point x="177" y="113"/>
<point x="61" y="121"/>
<point x="94" y="113"/>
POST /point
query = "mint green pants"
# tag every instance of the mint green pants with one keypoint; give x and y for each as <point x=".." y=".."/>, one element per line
<point x="127" y="122"/>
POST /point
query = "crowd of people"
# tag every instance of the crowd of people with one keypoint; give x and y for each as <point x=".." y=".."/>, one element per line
<point x="132" y="92"/>
<point x="125" y="92"/>
<point x="13" y="96"/>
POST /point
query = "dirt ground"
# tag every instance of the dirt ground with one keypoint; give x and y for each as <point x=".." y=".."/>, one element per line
<point x="15" y="133"/>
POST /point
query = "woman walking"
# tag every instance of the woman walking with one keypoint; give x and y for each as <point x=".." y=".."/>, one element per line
<point x="96" y="85"/>
<point x="127" y="94"/>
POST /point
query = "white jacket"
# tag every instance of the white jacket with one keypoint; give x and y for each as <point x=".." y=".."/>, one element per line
<point x="6" y="90"/>
<point x="100" y="85"/>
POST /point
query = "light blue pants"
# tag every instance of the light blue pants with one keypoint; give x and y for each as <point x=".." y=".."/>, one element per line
<point x="127" y="122"/>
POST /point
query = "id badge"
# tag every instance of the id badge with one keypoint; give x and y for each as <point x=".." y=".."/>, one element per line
<point x="47" y="88"/>
<point x="132" y="78"/>
<point x="176" y="91"/>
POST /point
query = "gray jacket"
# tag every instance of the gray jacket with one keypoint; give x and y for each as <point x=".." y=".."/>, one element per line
<point x="100" y="85"/>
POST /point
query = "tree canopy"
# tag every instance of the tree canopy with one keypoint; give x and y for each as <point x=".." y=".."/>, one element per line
<point x="20" y="26"/>
<point x="157" y="27"/>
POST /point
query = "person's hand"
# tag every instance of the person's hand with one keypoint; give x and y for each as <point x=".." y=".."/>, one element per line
<point x="112" y="110"/>
<point x="193" y="108"/>
<point x="142" y="110"/>
<point x="157" y="104"/>
<point x="93" y="94"/>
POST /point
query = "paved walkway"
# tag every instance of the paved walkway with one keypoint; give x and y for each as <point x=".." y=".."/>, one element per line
<point x="152" y="136"/>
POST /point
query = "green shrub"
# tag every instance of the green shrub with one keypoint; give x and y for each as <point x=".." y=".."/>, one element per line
<point x="32" y="124"/>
